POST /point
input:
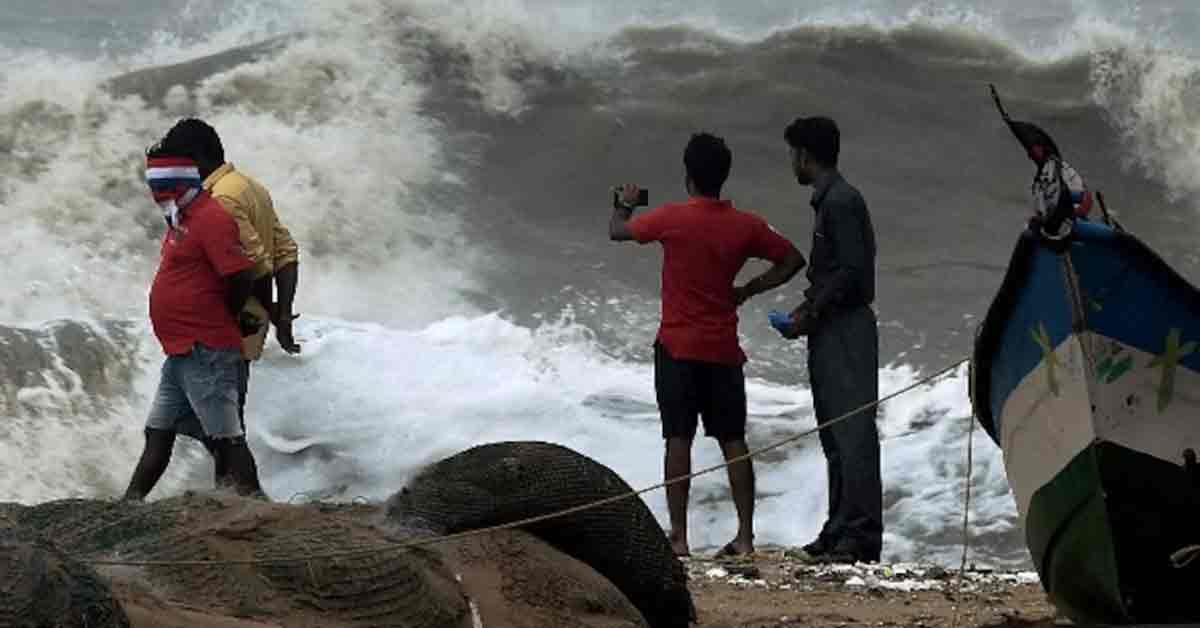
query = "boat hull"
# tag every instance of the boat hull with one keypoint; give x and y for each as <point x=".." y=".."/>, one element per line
<point x="1101" y="532"/>
<point x="1086" y="373"/>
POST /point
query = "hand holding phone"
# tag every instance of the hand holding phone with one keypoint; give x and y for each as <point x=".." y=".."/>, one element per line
<point x="630" y="195"/>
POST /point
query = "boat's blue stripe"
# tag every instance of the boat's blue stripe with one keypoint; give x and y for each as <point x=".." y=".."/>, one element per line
<point x="1042" y="301"/>
<point x="1131" y="298"/>
<point x="1130" y="295"/>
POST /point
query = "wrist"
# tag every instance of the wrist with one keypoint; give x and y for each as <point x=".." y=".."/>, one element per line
<point x="753" y="287"/>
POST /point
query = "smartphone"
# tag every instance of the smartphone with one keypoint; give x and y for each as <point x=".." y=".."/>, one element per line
<point x="642" y="201"/>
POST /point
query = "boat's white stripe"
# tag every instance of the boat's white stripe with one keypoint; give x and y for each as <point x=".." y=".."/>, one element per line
<point x="1042" y="432"/>
<point x="1127" y="410"/>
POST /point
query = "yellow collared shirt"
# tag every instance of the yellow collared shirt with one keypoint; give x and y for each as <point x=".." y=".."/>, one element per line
<point x="268" y="243"/>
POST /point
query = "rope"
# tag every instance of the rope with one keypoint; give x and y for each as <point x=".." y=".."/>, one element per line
<point x="966" y="534"/>
<point x="967" y="499"/>
<point x="1108" y="219"/>
<point x="530" y="520"/>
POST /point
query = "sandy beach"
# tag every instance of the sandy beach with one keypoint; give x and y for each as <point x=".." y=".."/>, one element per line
<point x="775" y="591"/>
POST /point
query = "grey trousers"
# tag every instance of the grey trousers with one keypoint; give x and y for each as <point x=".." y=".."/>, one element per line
<point x="843" y="367"/>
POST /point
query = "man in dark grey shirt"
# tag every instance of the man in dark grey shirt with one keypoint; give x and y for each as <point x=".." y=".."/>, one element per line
<point x="843" y="345"/>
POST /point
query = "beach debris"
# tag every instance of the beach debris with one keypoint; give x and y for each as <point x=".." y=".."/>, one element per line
<point x="716" y="573"/>
<point x="788" y="570"/>
<point x="476" y="618"/>
<point x="747" y="571"/>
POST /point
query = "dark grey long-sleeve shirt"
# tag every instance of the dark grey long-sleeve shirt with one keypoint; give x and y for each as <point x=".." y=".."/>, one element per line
<point x="841" y="267"/>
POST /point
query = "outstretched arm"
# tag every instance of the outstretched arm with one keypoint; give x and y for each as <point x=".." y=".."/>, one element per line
<point x="618" y="227"/>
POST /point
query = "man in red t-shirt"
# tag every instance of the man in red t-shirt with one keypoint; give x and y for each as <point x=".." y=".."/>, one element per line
<point x="204" y="278"/>
<point x="697" y="359"/>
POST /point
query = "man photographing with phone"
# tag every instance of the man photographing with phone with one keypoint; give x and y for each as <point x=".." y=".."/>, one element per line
<point x="697" y="359"/>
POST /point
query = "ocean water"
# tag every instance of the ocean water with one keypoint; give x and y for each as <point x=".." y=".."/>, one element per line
<point x="444" y="168"/>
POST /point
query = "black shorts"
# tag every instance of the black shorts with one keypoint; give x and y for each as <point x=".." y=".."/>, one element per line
<point x="687" y="389"/>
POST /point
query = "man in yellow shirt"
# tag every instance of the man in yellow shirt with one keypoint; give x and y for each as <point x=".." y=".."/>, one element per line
<point x="267" y="243"/>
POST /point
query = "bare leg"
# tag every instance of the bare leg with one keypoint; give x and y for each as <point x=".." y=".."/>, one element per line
<point x="233" y="456"/>
<point x="243" y="392"/>
<point x="221" y="464"/>
<point x="678" y="463"/>
<point x="155" y="457"/>
<point x="741" y="482"/>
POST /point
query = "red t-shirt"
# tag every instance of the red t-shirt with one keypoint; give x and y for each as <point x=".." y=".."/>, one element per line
<point x="188" y="298"/>
<point x="705" y="244"/>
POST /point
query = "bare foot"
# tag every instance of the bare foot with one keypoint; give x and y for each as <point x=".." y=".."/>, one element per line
<point x="679" y="543"/>
<point x="736" y="548"/>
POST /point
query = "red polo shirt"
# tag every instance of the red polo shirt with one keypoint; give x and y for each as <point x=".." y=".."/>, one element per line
<point x="706" y="243"/>
<point x="188" y="298"/>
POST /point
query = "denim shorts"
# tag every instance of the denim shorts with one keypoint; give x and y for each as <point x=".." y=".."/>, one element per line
<point x="198" y="394"/>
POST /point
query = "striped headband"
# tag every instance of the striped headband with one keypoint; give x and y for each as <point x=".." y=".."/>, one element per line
<point x="168" y="175"/>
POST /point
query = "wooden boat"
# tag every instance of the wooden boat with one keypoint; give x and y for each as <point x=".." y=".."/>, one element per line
<point x="1086" y="373"/>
